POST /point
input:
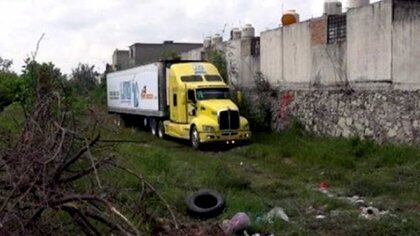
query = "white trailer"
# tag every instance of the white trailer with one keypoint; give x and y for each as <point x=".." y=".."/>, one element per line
<point x="138" y="91"/>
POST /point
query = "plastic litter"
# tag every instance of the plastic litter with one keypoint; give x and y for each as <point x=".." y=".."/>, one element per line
<point x="320" y="217"/>
<point x="239" y="222"/>
<point x="276" y="213"/>
<point x="372" y="213"/>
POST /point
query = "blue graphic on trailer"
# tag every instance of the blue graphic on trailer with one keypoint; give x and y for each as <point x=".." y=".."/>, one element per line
<point x="135" y="88"/>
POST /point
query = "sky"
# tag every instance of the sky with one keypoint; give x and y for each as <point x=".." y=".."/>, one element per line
<point x="88" y="31"/>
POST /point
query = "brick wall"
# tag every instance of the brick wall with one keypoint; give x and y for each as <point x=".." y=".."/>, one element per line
<point x="319" y="31"/>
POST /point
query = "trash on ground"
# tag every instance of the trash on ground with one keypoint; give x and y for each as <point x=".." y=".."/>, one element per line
<point x="320" y="217"/>
<point x="276" y="213"/>
<point x="372" y="213"/>
<point x="356" y="200"/>
<point x="205" y="204"/>
<point x="239" y="222"/>
<point x="324" y="186"/>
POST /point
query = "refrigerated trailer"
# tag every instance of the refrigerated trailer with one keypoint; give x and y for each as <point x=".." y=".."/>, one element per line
<point x="181" y="99"/>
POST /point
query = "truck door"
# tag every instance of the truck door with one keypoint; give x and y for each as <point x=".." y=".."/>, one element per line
<point x="192" y="105"/>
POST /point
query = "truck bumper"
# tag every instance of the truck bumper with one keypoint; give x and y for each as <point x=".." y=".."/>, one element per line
<point x="225" y="136"/>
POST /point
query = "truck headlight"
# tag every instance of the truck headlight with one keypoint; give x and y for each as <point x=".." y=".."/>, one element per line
<point x="208" y="129"/>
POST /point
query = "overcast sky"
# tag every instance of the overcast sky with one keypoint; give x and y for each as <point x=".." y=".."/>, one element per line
<point x="88" y="31"/>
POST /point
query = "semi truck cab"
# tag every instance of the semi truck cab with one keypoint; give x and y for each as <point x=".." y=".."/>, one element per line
<point x="186" y="100"/>
<point x="200" y="107"/>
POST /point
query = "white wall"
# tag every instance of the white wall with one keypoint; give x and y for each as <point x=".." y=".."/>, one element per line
<point x="286" y="54"/>
<point x="406" y="45"/>
<point x="369" y="42"/>
<point x="297" y="56"/>
<point x="271" y="55"/>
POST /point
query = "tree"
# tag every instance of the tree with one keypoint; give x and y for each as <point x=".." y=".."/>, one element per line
<point x="9" y="83"/>
<point x="84" y="78"/>
<point x="5" y="65"/>
<point x="218" y="59"/>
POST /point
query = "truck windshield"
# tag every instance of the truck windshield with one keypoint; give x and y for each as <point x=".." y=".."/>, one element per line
<point x="207" y="94"/>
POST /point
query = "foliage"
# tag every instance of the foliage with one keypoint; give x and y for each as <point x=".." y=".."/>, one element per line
<point x="256" y="104"/>
<point x="9" y="88"/>
<point x="28" y="87"/>
<point x="84" y="78"/>
<point x="169" y="55"/>
<point x="5" y="65"/>
<point x="285" y="170"/>
<point x="218" y="59"/>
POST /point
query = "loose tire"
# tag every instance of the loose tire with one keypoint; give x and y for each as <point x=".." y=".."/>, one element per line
<point x="161" y="130"/>
<point x="205" y="204"/>
<point x="195" y="138"/>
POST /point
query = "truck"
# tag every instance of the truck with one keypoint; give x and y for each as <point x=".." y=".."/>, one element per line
<point x="180" y="99"/>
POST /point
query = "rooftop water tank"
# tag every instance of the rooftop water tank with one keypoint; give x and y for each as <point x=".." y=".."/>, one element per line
<point x="235" y="34"/>
<point x="217" y="39"/>
<point x="333" y="7"/>
<point x="358" y="3"/>
<point x="290" y="17"/>
<point x="207" y="42"/>
<point x="248" y="31"/>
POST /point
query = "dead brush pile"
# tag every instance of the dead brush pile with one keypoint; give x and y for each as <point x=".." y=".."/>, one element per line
<point x="40" y="175"/>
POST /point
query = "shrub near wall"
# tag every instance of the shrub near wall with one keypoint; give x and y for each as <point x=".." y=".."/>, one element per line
<point x="384" y="116"/>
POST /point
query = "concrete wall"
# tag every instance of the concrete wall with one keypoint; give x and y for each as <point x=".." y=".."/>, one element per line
<point x="286" y="55"/>
<point x="369" y="43"/>
<point x="329" y="63"/>
<point x="272" y="56"/>
<point x="120" y="59"/>
<point x="406" y="45"/>
<point x="141" y="53"/>
<point x="195" y="54"/>
<point x="299" y="56"/>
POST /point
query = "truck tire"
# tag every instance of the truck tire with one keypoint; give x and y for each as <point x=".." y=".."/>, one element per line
<point x="153" y="126"/>
<point x="205" y="204"/>
<point x="161" y="130"/>
<point x="146" y="123"/>
<point x="195" y="138"/>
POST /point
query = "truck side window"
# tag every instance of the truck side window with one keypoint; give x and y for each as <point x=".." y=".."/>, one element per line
<point x="175" y="101"/>
<point x="191" y="96"/>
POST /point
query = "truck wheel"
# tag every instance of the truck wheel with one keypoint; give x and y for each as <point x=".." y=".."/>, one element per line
<point x="161" y="130"/>
<point x="195" y="138"/>
<point x="146" y="123"/>
<point x="153" y="126"/>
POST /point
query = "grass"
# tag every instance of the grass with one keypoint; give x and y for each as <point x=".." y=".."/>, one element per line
<point x="272" y="170"/>
<point x="285" y="170"/>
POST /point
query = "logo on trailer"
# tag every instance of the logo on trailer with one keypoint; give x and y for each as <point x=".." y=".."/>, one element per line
<point x="145" y="95"/>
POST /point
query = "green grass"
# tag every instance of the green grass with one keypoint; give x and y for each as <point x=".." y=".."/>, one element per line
<point x="285" y="170"/>
<point x="272" y="170"/>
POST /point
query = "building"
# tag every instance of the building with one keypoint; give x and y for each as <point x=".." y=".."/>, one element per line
<point x="120" y="59"/>
<point x="144" y="53"/>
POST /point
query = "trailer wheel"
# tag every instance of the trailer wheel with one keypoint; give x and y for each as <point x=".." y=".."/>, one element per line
<point x="195" y="138"/>
<point x="161" y="130"/>
<point x="153" y="126"/>
<point x="146" y="123"/>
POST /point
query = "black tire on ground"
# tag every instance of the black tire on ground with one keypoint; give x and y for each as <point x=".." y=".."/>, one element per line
<point x="153" y="126"/>
<point x="195" y="138"/>
<point x="161" y="130"/>
<point x="205" y="204"/>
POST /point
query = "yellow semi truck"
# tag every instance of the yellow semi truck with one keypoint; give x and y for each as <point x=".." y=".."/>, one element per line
<point x="182" y="99"/>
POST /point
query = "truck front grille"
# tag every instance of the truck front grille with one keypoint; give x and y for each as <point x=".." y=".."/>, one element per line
<point x="229" y="120"/>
